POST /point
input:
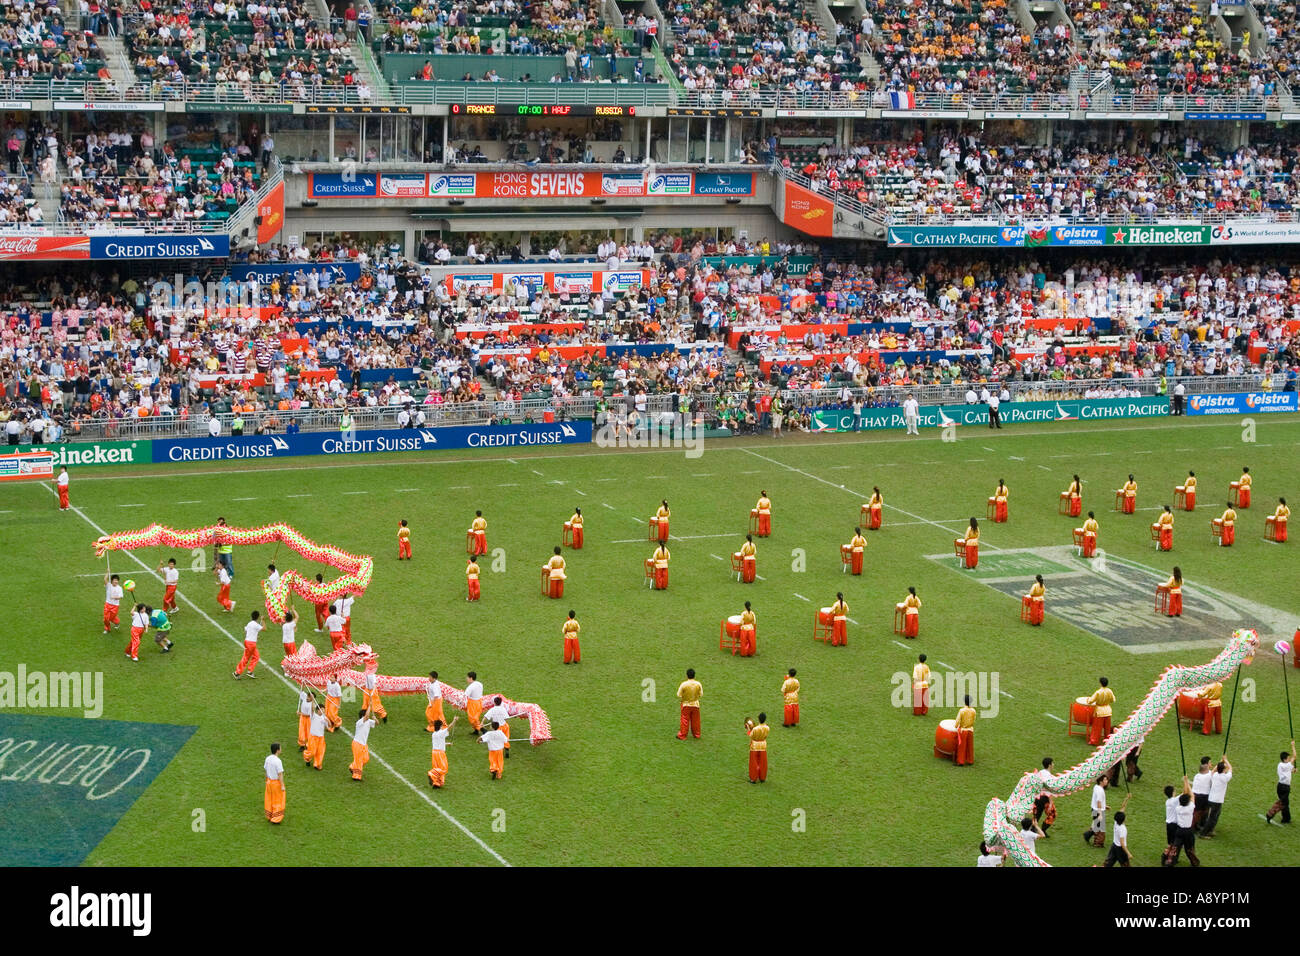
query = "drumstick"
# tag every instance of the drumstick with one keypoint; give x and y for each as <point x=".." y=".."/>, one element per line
<point x="1228" y="730"/>
<point x="1178" y="722"/>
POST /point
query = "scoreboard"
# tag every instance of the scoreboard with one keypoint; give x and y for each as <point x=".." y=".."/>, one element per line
<point x="524" y="109"/>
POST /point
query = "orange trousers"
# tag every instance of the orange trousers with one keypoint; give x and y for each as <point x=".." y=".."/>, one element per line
<point x="1166" y="538"/>
<point x="273" y="801"/>
<point x="855" y="562"/>
<point x="1213" y="715"/>
<point x="250" y="658"/>
<point x="433" y="712"/>
<point x="757" y="766"/>
<point x="661" y="579"/>
<point x="1130" y="504"/>
<point x="920" y="701"/>
<point x="360" y="757"/>
<point x="169" y="598"/>
<point x="338" y="639"/>
<point x="911" y="624"/>
<point x="474" y="591"/>
<point x="748" y="570"/>
<point x="290" y="649"/>
<point x="322" y="612"/>
<point x="1175" y="603"/>
<point x="438" y="768"/>
<point x="690" y="721"/>
<point x="764" y="524"/>
<point x="332" y="719"/>
<point x="839" y="632"/>
<point x="315" y="752"/>
<point x="474" y="712"/>
<point x="1098" y="730"/>
<point x="557" y="587"/>
<point x="874" y="522"/>
<point x="965" y="747"/>
<point x="791" y="715"/>
<point x="1229" y="534"/>
<point x="223" y="597"/>
<point x="999" y="512"/>
<point x="304" y="725"/>
<point x="496" y="763"/>
<point x="577" y="537"/>
<point x="748" y="641"/>
<point x="403" y="548"/>
<point x="110" y="616"/>
<point x="480" y="543"/>
<point x="133" y="645"/>
<point x="371" y="702"/>
<point x="572" y="650"/>
<point x="63" y="498"/>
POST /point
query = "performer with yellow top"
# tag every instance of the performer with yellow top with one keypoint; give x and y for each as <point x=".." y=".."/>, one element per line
<point x="857" y="547"/>
<point x="874" y="509"/>
<point x="1000" y="495"/>
<point x="403" y="541"/>
<point x="757" y="748"/>
<point x="790" y="695"/>
<point x="920" y="687"/>
<point x="471" y="579"/>
<point x="748" y="557"/>
<point x="1241" y="488"/>
<point x="1035" y="602"/>
<point x="1130" y="492"/>
<point x="573" y="530"/>
<point x="839" y="621"/>
<point x="478" y="535"/>
<point x="748" y="633"/>
<point x="689" y="693"/>
<point x="1275" y="524"/>
<point x="572" y="650"/>
<point x="660" y="560"/>
<point x="1187" y="492"/>
<point x="1100" y="700"/>
<point x="968" y="547"/>
<point x="1225" y="526"/>
<point x="555" y="574"/>
<point x="1174" y="588"/>
<point x="659" y="523"/>
<point x="1073" y="496"/>
<point x="1163" y="530"/>
<point x="1212" y="694"/>
<point x="763" y="512"/>
<point x="911" y="614"/>
<point x="1086" y="537"/>
<point x="965" y="734"/>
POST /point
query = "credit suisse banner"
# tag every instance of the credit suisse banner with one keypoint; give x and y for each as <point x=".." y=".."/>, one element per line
<point x="574" y="282"/>
<point x="1242" y="403"/>
<point x="370" y="442"/>
<point x="807" y="212"/>
<point x="1012" y="413"/>
<point x="525" y="185"/>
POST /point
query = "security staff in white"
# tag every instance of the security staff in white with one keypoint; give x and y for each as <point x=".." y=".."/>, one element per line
<point x="995" y="419"/>
<point x="911" y="414"/>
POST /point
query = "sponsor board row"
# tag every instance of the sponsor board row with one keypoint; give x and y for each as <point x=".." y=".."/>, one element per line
<point x="1012" y="413"/>
<point x="573" y="283"/>
<point x="526" y="185"/>
<point x="1091" y="234"/>
<point x="117" y="246"/>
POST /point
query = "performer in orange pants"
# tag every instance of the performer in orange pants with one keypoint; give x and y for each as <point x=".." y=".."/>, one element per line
<point x="1075" y="495"/>
<point x="920" y="687"/>
<point x="333" y="694"/>
<point x="1242" y="487"/>
<point x="223" y="588"/>
<point x="315" y="752"/>
<point x="62" y="483"/>
<point x="433" y="709"/>
<point x="857" y="549"/>
<point x="322" y="609"/>
<point x="249" y="661"/>
<point x="113" y="595"/>
<point x="438" y="762"/>
<point x="171" y="578"/>
<point x="478" y="527"/>
<point x="575" y="529"/>
<point x="474" y="701"/>
<point x="1278" y="519"/>
<point x="764" y="509"/>
<point x="1228" y="526"/>
<point x="361" y="744"/>
<point x="1212" y="694"/>
<point x="1000" y="495"/>
<point x="555" y="567"/>
<point x="911" y="614"/>
<point x="839" y="621"/>
<point x="758" y="748"/>
<point x="403" y="542"/>
<point x="748" y="633"/>
<point x="1089" y="529"/>
<point x="1101" y="700"/>
<point x="661" y="558"/>
<point x="370" y="697"/>
<point x="1175" y="587"/>
<point x="663" y="514"/>
<point x="790" y="697"/>
<point x="1164" y="527"/>
<point x="1037" y="600"/>
<point x="965" y="735"/>
<point x="496" y="742"/>
<point x="336" y="627"/>
<point x="471" y="580"/>
<point x="1188" y="488"/>
<point x="748" y="560"/>
<point x="139" y="624"/>
<point x="273" y="799"/>
<point x="689" y="693"/>
<point x="1129" y="502"/>
<point x="572" y="649"/>
<point x="305" y="704"/>
<point x="970" y="544"/>
<point x="875" y="510"/>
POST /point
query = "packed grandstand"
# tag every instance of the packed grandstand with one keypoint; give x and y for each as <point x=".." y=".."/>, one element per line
<point x="273" y="215"/>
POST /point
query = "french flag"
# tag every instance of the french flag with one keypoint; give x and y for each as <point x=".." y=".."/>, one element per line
<point x="902" y="101"/>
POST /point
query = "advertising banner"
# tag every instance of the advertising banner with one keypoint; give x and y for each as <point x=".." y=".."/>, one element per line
<point x="264" y="272"/>
<point x="270" y="212"/>
<point x="370" y="442"/>
<point x="343" y="186"/>
<point x="807" y="211"/>
<point x="44" y="247"/>
<point x="669" y="184"/>
<point x="723" y="184"/>
<point x="1242" y="403"/>
<point x="27" y="466"/>
<point x="403" y="186"/>
<point x="1012" y="413"/>
<point x="214" y="246"/>
<point x="83" y="454"/>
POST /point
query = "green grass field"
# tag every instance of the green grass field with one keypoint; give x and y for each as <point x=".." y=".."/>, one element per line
<point x="616" y="787"/>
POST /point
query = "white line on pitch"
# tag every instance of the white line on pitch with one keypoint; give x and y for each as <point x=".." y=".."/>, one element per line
<point x="1005" y="694"/>
<point x="655" y="477"/>
<point x="902" y="645"/>
<point x="243" y="499"/>
<point x="508" y="484"/>
<point x="802" y="598"/>
<point x="537" y="473"/>
<point x="407" y="489"/>
<point x="610" y="507"/>
<point x="287" y="683"/>
<point x="142" y="505"/>
<point x="195" y="501"/>
<point x="1054" y="717"/>
<point x="1044" y="467"/>
<point x="297" y="496"/>
<point x="356" y="492"/>
<point x="707" y="474"/>
<point x="948" y="666"/>
<point x="716" y="557"/>
<point x="577" y="492"/>
<point x="676" y="537"/>
<point x="512" y="461"/>
<point x="986" y="448"/>
<point x="851" y="621"/>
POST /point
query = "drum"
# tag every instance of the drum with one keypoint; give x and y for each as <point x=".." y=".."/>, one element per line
<point x="945" y="739"/>
<point x="1191" y="707"/>
<point x="1081" y="711"/>
<point x="826" y="616"/>
<point x="733" y="626"/>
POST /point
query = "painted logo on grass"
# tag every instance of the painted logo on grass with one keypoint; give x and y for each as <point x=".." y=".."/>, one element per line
<point x="69" y="781"/>
<point x="1115" y="599"/>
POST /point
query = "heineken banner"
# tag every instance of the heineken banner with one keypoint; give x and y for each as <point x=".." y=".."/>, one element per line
<point x="1079" y="234"/>
<point x="83" y="453"/>
<point x="1013" y="413"/>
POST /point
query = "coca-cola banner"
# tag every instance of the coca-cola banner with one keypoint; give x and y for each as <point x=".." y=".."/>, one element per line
<point x="44" y="247"/>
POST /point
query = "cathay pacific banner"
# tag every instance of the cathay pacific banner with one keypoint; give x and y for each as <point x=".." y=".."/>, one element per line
<point x="1242" y="403"/>
<point x="1012" y="413"/>
<point x="371" y="442"/>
